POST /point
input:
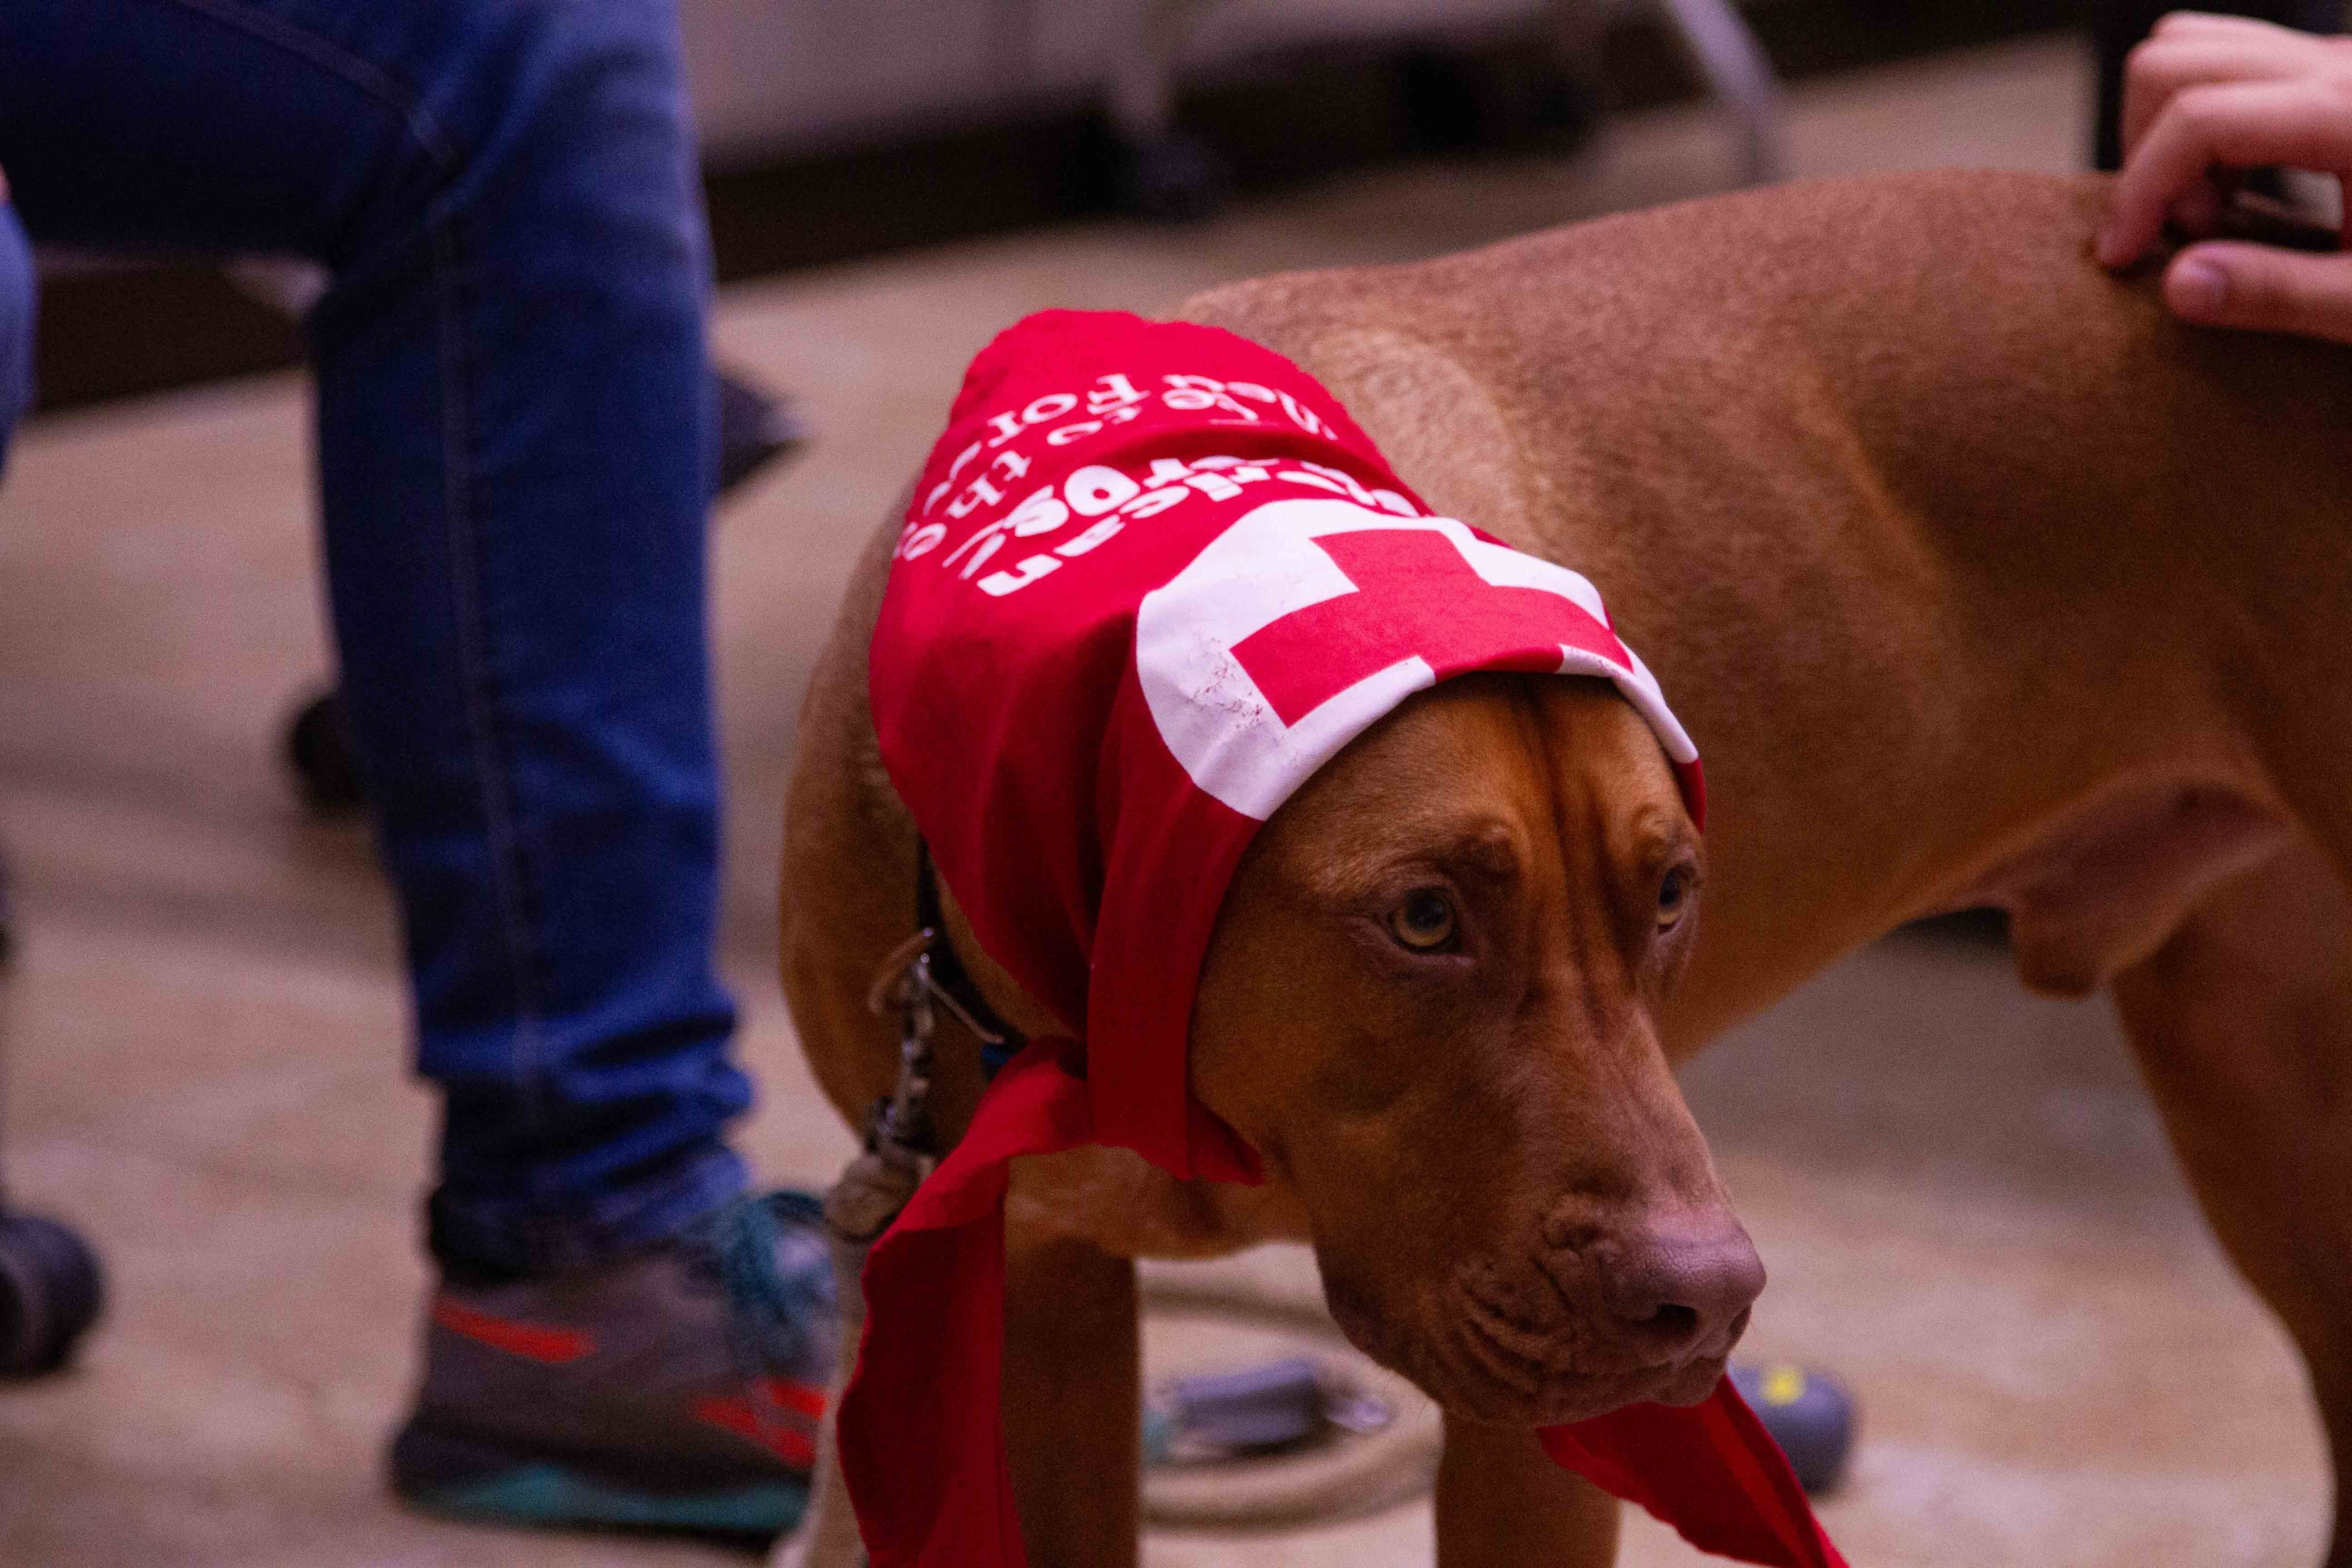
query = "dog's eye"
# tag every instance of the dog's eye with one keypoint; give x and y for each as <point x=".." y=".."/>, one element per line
<point x="1425" y="921"/>
<point x="1674" y="897"/>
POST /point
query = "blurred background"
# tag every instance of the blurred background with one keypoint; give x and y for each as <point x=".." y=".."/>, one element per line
<point x="1968" y="1212"/>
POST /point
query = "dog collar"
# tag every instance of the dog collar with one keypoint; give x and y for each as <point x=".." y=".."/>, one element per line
<point x="1000" y="1042"/>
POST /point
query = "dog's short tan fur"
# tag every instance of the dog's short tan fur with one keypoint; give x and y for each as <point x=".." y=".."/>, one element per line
<point x="1976" y="578"/>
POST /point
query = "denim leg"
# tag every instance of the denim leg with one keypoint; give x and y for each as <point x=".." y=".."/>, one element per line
<point x="515" y="431"/>
<point x="18" y="295"/>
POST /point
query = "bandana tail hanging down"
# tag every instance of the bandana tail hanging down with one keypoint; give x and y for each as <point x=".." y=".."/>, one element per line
<point x="1150" y="581"/>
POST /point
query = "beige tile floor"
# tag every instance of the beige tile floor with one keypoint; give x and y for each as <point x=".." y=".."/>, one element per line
<point x="1967" y="1210"/>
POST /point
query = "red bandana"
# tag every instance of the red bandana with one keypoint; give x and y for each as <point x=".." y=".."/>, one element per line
<point x="1151" y="579"/>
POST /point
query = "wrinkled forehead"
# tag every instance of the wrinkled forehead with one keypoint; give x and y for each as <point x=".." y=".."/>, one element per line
<point x="1489" y="769"/>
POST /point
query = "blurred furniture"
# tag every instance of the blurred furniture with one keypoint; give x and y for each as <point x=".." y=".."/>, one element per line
<point x="50" y="1293"/>
<point x="1737" y="70"/>
<point x="795" y="77"/>
<point x="1160" y="40"/>
<point x="50" y="1288"/>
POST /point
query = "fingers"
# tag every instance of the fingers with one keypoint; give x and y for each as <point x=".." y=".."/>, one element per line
<point x="2305" y="123"/>
<point x="2259" y="288"/>
<point x="2170" y="63"/>
<point x="2198" y="210"/>
<point x="2216" y="24"/>
<point x="2210" y="94"/>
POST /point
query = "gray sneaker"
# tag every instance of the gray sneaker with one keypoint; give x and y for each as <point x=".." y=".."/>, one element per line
<point x="677" y="1389"/>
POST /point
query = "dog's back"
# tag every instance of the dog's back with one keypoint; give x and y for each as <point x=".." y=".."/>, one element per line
<point x="1864" y="467"/>
<point x="1869" y="469"/>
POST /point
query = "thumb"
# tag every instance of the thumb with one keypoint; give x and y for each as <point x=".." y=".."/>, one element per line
<point x="2263" y="289"/>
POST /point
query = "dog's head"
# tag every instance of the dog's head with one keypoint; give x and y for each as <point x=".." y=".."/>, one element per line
<point x="1430" y="1003"/>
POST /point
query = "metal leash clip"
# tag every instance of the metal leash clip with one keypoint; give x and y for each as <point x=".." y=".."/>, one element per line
<point x="905" y="981"/>
<point x="900" y="1148"/>
<point x="870" y="1194"/>
<point x="900" y="1127"/>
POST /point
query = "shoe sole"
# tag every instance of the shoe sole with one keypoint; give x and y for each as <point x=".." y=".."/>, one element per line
<point x="461" y="1478"/>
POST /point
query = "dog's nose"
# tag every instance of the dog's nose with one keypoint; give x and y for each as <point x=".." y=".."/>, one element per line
<point x="1682" y="1291"/>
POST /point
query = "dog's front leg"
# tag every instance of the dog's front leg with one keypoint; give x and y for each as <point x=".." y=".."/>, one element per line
<point x="1502" y="1503"/>
<point x="1072" y="1398"/>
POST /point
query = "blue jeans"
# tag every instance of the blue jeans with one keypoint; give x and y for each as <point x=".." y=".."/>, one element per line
<point x="515" y="438"/>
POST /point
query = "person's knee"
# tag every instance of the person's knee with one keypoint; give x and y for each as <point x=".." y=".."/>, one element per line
<point x="549" y="144"/>
<point x="564" y="82"/>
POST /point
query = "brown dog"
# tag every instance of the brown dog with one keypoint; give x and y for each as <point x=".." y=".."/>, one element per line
<point x="1977" y="580"/>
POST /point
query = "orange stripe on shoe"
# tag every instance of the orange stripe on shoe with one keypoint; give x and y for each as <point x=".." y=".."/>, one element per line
<point x="800" y="1397"/>
<point x="786" y="1438"/>
<point x="533" y="1342"/>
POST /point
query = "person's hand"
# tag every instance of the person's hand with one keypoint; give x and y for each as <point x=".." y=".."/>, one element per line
<point x="2204" y="97"/>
